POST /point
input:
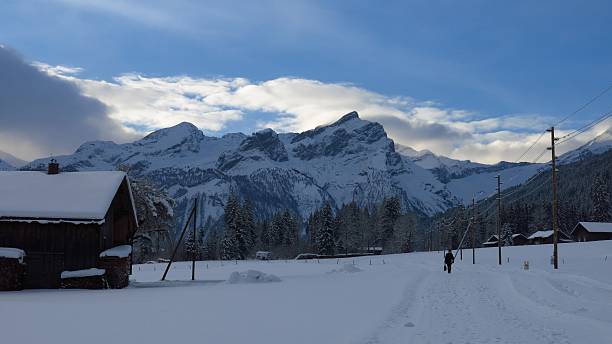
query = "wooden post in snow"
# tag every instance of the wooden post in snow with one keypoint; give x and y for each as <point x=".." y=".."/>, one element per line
<point x="177" y="244"/>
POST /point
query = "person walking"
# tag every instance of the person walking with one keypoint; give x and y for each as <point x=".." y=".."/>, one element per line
<point x="449" y="259"/>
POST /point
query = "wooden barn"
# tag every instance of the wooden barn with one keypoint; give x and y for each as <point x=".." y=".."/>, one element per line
<point x="546" y="237"/>
<point x="64" y="221"/>
<point x="592" y="231"/>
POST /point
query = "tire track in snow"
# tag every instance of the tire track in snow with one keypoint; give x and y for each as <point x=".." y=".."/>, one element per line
<point x="397" y="317"/>
<point x="464" y="307"/>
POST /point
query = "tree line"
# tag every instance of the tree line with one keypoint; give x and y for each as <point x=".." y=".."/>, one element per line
<point x="327" y="231"/>
<point x="525" y="215"/>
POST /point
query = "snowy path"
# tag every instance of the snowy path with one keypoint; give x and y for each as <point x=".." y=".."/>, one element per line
<point x="485" y="304"/>
<point x="403" y="299"/>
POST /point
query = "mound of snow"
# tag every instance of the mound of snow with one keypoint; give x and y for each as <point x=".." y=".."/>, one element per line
<point x="12" y="253"/>
<point x="251" y="276"/>
<point x="122" y="251"/>
<point x="348" y="268"/>
<point x="83" y="273"/>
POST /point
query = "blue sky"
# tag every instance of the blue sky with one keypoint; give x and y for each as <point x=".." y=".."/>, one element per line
<point x="522" y="63"/>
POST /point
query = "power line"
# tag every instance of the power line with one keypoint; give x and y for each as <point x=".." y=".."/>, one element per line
<point x="580" y="108"/>
<point x="532" y="191"/>
<point x="561" y="140"/>
<point x="583" y="129"/>
<point x="606" y="90"/>
<point x="535" y="161"/>
<point x="530" y="147"/>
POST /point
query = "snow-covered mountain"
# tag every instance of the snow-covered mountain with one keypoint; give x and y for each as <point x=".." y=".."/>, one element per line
<point x="600" y="144"/>
<point x="351" y="159"/>
<point x="465" y="179"/>
<point x="9" y="162"/>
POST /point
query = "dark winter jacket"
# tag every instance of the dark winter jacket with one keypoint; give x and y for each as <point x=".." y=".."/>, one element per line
<point x="449" y="258"/>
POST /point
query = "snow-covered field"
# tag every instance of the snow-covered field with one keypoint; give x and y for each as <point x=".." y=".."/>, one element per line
<point x="408" y="299"/>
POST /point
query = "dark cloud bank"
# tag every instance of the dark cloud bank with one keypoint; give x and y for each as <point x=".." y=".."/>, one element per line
<point x="41" y="114"/>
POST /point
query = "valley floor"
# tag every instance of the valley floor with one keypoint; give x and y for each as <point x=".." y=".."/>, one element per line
<point x="395" y="299"/>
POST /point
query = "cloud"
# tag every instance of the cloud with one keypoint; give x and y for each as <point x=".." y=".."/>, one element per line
<point x="41" y="114"/>
<point x="142" y="104"/>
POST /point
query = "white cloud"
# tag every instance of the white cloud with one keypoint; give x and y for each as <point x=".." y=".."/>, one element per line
<point x="144" y="104"/>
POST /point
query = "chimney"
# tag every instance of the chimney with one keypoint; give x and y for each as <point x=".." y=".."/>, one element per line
<point x="53" y="167"/>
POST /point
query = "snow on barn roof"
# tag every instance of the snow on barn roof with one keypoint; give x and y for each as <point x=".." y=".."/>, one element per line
<point x="65" y="196"/>
<point x="596" y="227"/>
<point x="493" y="238"/>
<point x="541" y="234"/>
<point x="548" y="233"/>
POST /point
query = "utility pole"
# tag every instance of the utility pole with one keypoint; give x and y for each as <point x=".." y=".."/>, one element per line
<point x="473" y="230"/>
<point x="195" y="239"/>
<point x="554" y="196"/>
<point x="499" y="255"/>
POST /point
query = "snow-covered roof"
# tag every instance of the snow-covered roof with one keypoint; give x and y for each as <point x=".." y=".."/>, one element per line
<point x="493" y="238"/>
<point x="541" y="234"/>
<point x="596" y="227"/>
<point x="64" y="196"/>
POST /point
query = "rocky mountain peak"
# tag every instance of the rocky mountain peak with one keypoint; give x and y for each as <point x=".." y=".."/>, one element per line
<point x="180" y="130"/>
<point x="266" y="141"/>
<point x="95" y="146"/>
<point x="182" y="134"/>
<point x="349" y="116"/>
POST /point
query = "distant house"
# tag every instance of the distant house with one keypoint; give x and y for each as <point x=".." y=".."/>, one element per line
<point x="517" y="240"/>
<point x="263" y="255"/>
<point x="546" y="237"/>
<point x="592" y="231"/>
<point x="65" y="221"/>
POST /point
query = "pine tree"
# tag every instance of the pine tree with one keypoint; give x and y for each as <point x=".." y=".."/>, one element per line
<point x="601" y="200"/>
<point x="232" y="243"/>
<point x="312" y="229"/>
<point x="289" y="224"/>
<point x="249" y="224"/>
<point x="264" y="235"/>
<point x="229" y="248"/>
<point x="244" y="229"/>
<point x="391" y="211"/>
<point x="507" y="231"/>
<point x="211" y="246"/>
<point x="191" y="246"/>
<point x="325" y="234"/>
<point x="404" y="233"/>
<point x="277" y="233"/>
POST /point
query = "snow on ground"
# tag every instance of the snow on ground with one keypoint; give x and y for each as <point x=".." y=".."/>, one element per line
<point x="408" y="299"/>
<point x="252" y="276"/>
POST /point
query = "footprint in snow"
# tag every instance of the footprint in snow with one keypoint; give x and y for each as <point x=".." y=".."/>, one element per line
<point x="409" y="324"/>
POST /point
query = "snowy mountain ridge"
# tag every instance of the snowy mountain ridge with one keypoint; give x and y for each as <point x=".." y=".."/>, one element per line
<point x="9" y="162"/>
<point x="600" y="144"/>
<point x="348" y="160"/>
